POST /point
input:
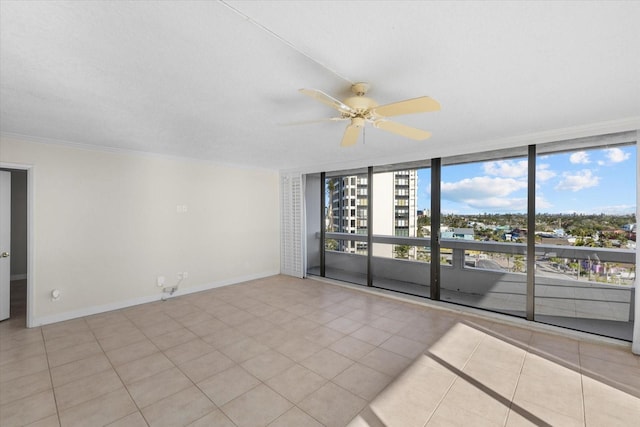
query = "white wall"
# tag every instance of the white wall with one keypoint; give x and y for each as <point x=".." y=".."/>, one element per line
<point x="105" y="225"/>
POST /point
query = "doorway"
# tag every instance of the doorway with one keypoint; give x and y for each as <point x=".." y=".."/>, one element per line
<point x="18" y="245"/>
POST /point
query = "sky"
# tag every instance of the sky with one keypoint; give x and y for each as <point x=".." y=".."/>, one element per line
<point x="590" y="182"/>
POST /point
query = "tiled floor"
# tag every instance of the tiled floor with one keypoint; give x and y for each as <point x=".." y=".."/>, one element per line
<point x="287" y="352"/>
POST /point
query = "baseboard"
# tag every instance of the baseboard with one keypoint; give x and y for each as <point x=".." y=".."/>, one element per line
<point x="89" y="311"/>
<point x="18" y="276"/>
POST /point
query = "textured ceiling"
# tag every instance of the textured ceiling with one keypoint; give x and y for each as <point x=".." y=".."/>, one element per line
<point x="218" y="80"/>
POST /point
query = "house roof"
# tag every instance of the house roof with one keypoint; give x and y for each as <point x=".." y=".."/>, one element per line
<point x="219" y="80"/>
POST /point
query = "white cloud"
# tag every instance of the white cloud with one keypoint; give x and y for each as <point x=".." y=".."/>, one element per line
<point x="616" y="155"/>
<point x="543" y="173"/>
<point x="486" y="193"/>
<point x="506" y="168"/>
<point x="579" y="157"/>
<point x="614" y="210"/>
<point x="578" y="181"/>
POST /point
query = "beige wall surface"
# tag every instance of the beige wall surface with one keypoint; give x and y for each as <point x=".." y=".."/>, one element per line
<point x="106" y="224"/>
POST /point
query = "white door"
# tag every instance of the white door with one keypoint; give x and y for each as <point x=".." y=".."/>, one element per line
<point x="5" y="243"/>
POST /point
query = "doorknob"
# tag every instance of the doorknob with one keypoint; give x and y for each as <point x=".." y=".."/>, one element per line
<point x="4" y="255"/>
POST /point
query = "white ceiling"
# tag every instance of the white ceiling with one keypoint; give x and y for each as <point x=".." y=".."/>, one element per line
<point x="217" y="80"/>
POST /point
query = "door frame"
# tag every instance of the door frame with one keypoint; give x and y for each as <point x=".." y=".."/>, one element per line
<point x="30" y="235"/>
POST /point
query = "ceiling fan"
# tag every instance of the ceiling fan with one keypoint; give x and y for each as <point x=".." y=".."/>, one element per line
<point x="360" y="109"/>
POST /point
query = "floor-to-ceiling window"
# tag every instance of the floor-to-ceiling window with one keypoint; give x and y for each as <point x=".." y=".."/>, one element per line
<point x="546" y="232"/>
<point x="346" y="226"/>
<point x="401" y="230"/>
<point x="585" y="238"/>
<point x="484" y="233"/>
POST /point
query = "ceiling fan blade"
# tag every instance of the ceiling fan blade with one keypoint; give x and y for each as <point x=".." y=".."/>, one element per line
<point x="400" y="129"/>
<point x="351" y="135"/>
<point x="306" y="122"/>
<point x="423" y="104"/>
<point x="328" y="100"/>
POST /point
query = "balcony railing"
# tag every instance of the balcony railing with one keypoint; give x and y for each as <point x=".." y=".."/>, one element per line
<point x="601" y="288"/>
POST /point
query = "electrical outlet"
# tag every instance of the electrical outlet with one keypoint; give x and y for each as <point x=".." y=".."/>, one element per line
<point x="185" y="275"/>
<point x="160" y="281"/>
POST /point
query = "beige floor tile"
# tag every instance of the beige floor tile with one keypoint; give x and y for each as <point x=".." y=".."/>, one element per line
<point x="516" y="336"/>
<point x="143" y="368"/>
<point x="296" y="383"/>
<point x="207" y="327"/>
<point x="295" y="417"/>
<point x="151" y="389"/>
<point x="133" y="420"/>
<point x="280" y="317"/>
<point x="362" y="381"/>
<point x="267" y="364"/>
<point x="101" y="320"/>
<point x="206" y="366"/>
<point x="50" y="421"/>
<point x="173" y="338"/>
<point x="238" y="318"/>
<point x="455" y="415"/>
<point x="502" y="355"/>
<point x="194" y="318"/>
<point x="403" y="346"/>
<point x="28" y="409"/>
<point x="260" y="309"/>
<point x="100" y="411"/>
<point x="323" y="335"/>
<point x="121" y="328"/>
<point x="13" y="354"/>
<point x="332" y="405"/>
<point x="610" y="353"/>
<point x="385" y="361"/>
<point x="25" y="386"/>
<point x="84" y="389"/>
<point x="387" y="324"/>
<point x="156" y="328"/>
<point x="223" y="337"/>
<point x="562" y="397"/>
<point x="71" y="354"/>
<point x="544" y="367"/>
<point x="190" y="350"/>
<point x="73" y="371"/>
<point x="533" y="416"/>
<point x="178" y="409"/>
<point x="413" y="397"/>
<point x="371" y="335"/>
<point x="227" y="385"/>
<point x="69" y="340"/>
<point x="321" y="316"/>
<point x="299" y="326"/>
<point x="20" y="336"/>
<point x="344" y="325"/>
<point x="366" y="418"/>
<point x="121" y="340"/>
<point x="257" y="407"/>
<point x="216" y="418"/>
<point x="351" y="347"/>
<point x="19" y="368"/>
<point x="457" y="345"/>
<point x="244" y="350"/>
<point x="298" y="348"/>
<point x="605" y="405"/>
<point x="274" y="337"/>
<point x="480" y="399"/>
<point x="61" y="329"/>
<point x="131" y="352"/>
<point x="327" y="363"/>
<point x="621" y="376"/>
<point x="255" y="327"/>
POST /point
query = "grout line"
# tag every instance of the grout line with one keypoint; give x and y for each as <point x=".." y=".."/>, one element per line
<point x="46" y="355"/>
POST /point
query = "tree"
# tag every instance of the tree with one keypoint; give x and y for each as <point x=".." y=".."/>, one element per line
<point x="401" y="251"/>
